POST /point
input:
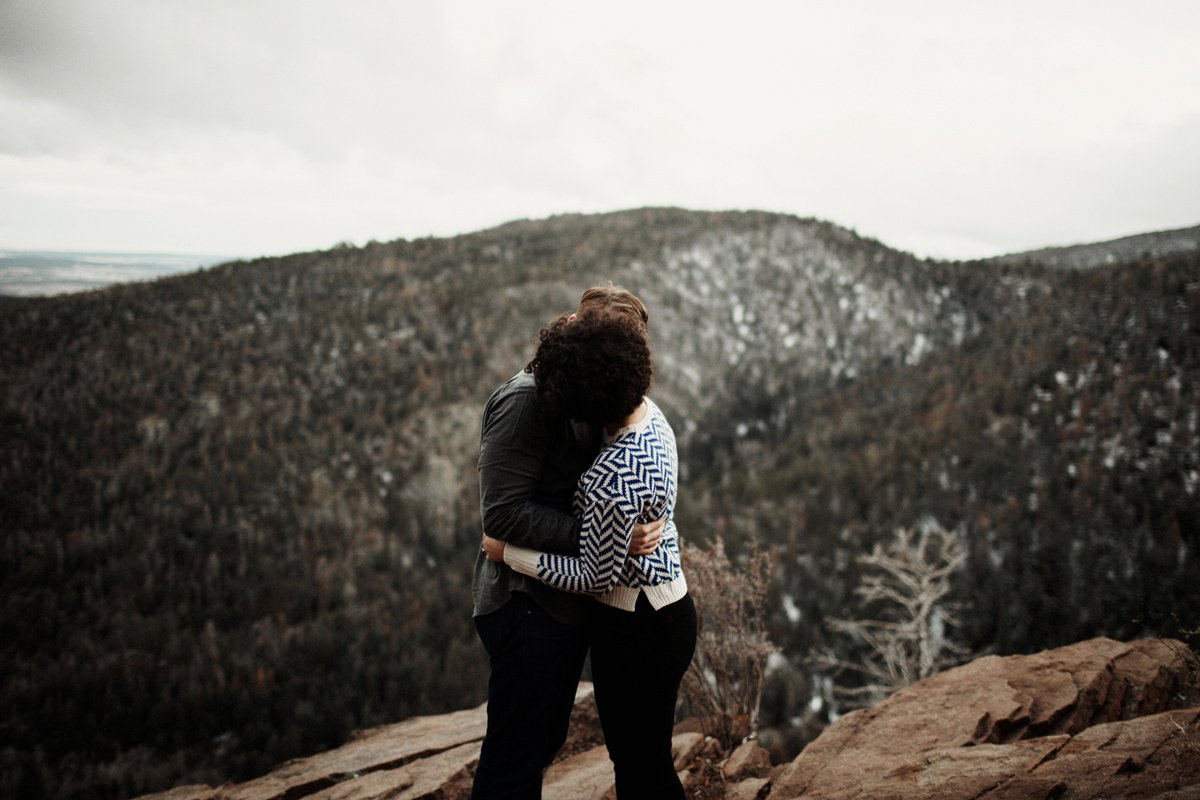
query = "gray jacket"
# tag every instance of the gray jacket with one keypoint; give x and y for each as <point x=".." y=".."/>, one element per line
<point x="529" y="465"/>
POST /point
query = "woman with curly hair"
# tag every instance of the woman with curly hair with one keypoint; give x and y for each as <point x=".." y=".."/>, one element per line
<point x="597" y="368"/>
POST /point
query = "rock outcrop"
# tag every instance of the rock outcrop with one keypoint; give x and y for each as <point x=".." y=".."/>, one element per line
<point x="420" y="757"/>
<point x="1092" y="720"/>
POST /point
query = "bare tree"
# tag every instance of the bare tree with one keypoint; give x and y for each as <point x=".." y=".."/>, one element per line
<point x="723" y="685"/>
<point x="911" y="575"/>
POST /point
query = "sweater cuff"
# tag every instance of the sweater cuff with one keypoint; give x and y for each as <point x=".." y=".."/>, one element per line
<point x="523" y="560"/>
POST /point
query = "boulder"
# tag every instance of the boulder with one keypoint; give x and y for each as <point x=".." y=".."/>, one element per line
<point x="196" y="791"/>
<point x="586" y="776"/>
<point x="746" y="757"/>
<point x="1087" y="720"/>
<point x="385" y="749"/>
<point x="448" y="774"/>
<point x="414" y="758"/>
<point x="685" y="747"/>
<point x="748" y="789"/>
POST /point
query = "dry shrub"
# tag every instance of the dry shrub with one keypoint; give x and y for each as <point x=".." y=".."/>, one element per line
<point x="724" y="683"/>
<point x="1189" y="687"/>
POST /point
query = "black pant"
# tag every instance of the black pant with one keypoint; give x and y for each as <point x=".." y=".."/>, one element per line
<point x="638" y="662"/>
<point x="535" y="662"/>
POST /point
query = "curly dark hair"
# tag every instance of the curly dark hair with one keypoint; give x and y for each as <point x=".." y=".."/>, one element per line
<point x="596" y="368"/>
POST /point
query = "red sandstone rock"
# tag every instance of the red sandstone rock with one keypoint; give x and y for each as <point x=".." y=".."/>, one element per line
<point x="1088" y="721"/>
<point x="383" y="749"/>
<point x="420" y="778"/>
<point x="745" y="757"/>
<point x="745" y="790"/>
<point x="685" y="747"/>
<point x="404" y="753"/>
<point x="197" y="791"/>
<point x="586" y="776"/>
<point x="1049" y="725"/>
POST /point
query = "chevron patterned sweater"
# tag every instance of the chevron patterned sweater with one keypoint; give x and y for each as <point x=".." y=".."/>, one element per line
<point x="632" y="480"/>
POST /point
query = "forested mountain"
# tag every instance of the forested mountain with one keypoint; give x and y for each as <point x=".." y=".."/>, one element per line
<point x="239" y="507"/>
<point x="1158" y="244"/>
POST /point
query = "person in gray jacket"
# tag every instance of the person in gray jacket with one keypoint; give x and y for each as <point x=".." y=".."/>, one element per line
<point x="529" y="465"/>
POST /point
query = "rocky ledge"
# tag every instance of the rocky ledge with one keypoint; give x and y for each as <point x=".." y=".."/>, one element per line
<point x="1093" y="720"/>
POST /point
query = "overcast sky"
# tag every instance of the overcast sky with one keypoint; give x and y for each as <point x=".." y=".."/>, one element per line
<point x="249" y="127"/>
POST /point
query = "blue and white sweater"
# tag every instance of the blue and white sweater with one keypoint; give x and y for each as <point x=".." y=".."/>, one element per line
<point x="632" y="480"/>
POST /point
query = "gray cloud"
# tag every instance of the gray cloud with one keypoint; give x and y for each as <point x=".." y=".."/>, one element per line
<point x="275" y="126"/>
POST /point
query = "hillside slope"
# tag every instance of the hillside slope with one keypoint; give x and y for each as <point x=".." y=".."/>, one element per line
<point x="239" y="507"/>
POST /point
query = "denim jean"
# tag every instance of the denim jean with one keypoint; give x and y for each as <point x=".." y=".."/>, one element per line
<point x="535" y="666"/>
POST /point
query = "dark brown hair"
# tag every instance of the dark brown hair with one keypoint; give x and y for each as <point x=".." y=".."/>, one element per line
<point x="596" y="368"/>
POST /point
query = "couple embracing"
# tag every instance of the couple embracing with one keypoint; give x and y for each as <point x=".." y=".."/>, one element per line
<point x="577" y="472"/>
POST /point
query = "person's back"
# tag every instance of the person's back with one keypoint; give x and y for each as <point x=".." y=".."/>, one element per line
<point x="529" y="468"/>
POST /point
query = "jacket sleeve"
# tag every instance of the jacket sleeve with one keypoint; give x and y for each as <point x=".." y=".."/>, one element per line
<point x="608" y="522"/>
<point x="512" y="451"/>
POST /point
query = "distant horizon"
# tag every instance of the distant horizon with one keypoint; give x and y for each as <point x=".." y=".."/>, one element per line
<point x="6" y="251"/>
<point x="51" y="273"/>
<point x="217" y="258"/>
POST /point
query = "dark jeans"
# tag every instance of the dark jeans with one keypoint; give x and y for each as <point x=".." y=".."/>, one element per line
<point x="638" y="662"/>
<point x="535" y="665"/>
